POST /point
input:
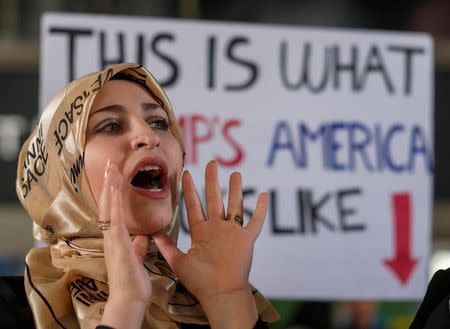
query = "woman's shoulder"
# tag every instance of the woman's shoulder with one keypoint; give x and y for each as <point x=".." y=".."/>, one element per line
<point x="15" y="311"/>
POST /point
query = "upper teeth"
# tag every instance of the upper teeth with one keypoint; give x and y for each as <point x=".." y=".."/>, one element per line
<point x="150" y="167"/>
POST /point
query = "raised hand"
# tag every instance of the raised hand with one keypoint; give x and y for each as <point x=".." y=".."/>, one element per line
<point x="129" y="285"/>
<point x="217" y="266"/>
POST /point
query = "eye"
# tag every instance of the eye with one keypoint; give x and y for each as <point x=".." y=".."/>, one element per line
<point x="159" y="123"/>
<point x="109" y="127"/>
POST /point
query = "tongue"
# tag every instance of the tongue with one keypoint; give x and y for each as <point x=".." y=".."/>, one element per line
<point x="154" y="184"/>
<point x="149" y="180"/>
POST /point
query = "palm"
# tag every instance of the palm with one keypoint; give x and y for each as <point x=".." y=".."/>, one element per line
<point x="219" y="259"/>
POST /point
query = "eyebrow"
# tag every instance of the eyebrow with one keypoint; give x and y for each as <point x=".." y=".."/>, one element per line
<point x="119" y="108"/>
<point x="150" y="106"/>
<point x="109" y="108"/>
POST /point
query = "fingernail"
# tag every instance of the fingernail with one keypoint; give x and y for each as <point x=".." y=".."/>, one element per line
<point x="114" y="176"/>
<point x="108" y="166"/>
<point x="105" y="178"/>
<point x="105" y="201"/>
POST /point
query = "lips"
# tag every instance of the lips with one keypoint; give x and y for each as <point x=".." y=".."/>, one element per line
<point x="149" y="178"/>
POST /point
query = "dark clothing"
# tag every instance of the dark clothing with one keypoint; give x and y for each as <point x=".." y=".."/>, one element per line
<point x="16" y="313"/>
<point x="434" y="312"/>
<point x="259" y="325"/>
<point x="14" y="309"/>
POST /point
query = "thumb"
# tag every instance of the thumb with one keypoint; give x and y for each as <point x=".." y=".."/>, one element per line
<point x="168" y="249"/>
<point x="140" y="247"/>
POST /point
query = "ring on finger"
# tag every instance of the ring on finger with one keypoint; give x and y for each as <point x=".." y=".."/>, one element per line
<point x="238" y="219"/>
<point x="104" y="224"/>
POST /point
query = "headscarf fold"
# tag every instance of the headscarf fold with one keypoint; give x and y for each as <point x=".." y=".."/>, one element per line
<point x="66" y="282"/>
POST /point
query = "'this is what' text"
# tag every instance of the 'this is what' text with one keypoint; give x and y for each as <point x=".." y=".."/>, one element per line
<point x="301" y="66"/>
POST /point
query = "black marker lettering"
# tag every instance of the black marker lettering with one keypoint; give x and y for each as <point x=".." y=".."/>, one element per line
<point x="175" y="71"/>
<point x="72" y="35"/>
<point x="104" y="61"/>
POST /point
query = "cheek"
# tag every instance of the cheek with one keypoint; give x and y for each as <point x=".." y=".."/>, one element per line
<point x="175" y="161"/>
<point x="176" y="158"/>
<point x="94" y="166"/>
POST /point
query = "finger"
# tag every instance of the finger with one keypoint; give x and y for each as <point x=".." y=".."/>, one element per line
<point x="214" y="204"/>
<point x="257" y="220"/>
<point x="140" y="247"/>
<point x="235" y="201"/>
<point x="194" y="210"/>
<point x="169" y="250"/>
<point x="117" y="230"/>
<point x="104" y="211"/>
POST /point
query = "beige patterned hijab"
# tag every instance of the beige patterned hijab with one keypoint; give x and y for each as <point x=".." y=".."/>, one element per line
<point x="66" y="283"/>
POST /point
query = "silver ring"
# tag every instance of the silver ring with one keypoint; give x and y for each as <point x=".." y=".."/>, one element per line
<point x="104" y="224"/>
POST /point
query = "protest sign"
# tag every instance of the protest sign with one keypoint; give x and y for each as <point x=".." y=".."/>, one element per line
<point x="335" y="124"/>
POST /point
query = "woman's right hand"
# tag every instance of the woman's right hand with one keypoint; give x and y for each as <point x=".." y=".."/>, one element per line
<point x="216" y="267"/>
<point x="129" y="285"/>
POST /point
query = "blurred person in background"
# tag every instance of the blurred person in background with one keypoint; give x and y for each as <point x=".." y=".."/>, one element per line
<point x="363" y="314"/>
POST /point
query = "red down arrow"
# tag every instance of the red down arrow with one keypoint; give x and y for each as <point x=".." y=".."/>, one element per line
<point x="402" y="264"/>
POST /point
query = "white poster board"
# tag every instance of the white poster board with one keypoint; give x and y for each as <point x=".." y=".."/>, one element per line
<point x="335" y="124"/>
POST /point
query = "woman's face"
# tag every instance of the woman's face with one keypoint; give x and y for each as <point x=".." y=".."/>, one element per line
<point x="128" y="126"/>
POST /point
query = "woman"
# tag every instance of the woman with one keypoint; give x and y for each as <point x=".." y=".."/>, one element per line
<point x="103" y="164"/>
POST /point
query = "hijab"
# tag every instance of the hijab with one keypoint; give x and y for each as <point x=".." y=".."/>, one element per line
<point x="66" y="282"/>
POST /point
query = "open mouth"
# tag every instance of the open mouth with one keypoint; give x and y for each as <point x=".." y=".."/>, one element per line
<point x="150" y="177"/>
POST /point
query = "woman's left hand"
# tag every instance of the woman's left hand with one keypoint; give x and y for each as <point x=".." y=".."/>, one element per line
<point x="216" y="268"/>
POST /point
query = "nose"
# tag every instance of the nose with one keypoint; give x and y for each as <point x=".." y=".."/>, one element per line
<point x="145" y="139"/>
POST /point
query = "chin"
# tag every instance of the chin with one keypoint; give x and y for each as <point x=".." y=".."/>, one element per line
<point x="148" y="225"/>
